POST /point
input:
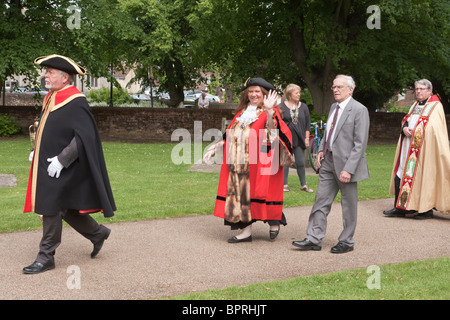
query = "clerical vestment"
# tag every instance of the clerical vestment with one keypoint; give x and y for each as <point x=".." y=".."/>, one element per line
<point x="422" y="161"/>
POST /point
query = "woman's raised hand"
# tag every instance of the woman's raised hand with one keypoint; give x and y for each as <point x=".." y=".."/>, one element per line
<point x="270" y="99"/>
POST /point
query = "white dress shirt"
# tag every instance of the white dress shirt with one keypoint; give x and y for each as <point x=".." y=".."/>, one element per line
<point x="342" y="106"/>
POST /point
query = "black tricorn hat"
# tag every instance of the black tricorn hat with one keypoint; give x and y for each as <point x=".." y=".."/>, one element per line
<point x="59" y="62"/>
<point x="257" y="82"/>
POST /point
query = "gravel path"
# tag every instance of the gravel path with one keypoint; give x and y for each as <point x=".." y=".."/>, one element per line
<point x="168" y="257"/>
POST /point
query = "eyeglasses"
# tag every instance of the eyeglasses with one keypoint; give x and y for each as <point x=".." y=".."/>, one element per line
<point x="421" y="89"/>
<point x="337" y="87"/>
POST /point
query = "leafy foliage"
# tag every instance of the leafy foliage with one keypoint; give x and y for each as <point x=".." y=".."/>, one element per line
<point x="27" y="34"/>
<point x="104" y="94"/>
<point x="8" y="127"/>
<point x="309" y="42"/>
<point x="169" y="42"/>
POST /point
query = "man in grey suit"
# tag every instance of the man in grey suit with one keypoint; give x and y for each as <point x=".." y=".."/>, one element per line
<point x="342" y="162"/>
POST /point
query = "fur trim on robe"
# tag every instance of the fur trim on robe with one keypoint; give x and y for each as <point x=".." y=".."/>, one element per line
<point x="252" y="172"/>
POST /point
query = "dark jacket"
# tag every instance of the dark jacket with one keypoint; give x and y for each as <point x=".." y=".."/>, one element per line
<point x="84" y="184"/>
<point x="298" y="130"/>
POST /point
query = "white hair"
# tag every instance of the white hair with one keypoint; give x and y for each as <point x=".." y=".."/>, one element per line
<point x="350" y="82"/>
<point x="424" y="82"/>
<point x="70" y="78"/>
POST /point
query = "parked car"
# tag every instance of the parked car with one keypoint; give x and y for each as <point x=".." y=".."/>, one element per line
<point x="163" y="95"/>
<point x="192" y="95"/>
<point x="140" y="97"/>
<point x="212" y="98"/>
<point x="33" y="91"/>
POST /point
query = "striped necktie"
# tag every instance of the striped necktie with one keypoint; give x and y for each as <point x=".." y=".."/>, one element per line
<point x="330" y="134"/>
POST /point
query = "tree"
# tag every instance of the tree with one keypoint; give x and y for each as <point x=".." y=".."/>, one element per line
<point x="307" y="42"/>
<point x="27" y="33"/>
<point x="312" y="41"/>
<point x="84" y="30"/>
<point x="162" y="37"/>
<point x="100" y="39"/>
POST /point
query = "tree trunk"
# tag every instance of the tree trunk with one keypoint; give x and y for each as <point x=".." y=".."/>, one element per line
<point x="174" y="88"/>
<point x="319" y="79"/>
<point x="322" y="96"/>
<point x="318" y="82"/>
<point x="2" y="91"/>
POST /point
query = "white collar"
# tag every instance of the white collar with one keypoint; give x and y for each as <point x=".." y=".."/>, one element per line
<point x="344" y="103"/>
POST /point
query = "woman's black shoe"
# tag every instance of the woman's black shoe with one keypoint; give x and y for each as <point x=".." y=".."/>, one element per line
<point x="274" y="233"/>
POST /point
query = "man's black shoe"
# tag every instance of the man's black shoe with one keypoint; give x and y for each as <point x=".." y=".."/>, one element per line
<point x="394" y="213"/>
<point x="341" y="248"/>
<point x="306" y="245"/>
<point x="424" y="215"/>
<point x="98" y="246"/>
<point x="37" y="267"/>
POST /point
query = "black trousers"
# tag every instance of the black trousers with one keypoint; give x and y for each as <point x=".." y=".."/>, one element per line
<point x="52" y="231"/>
<point x="397" y="189"/>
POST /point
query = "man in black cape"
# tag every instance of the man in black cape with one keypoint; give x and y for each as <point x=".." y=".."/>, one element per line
<point x="68" y="177"/>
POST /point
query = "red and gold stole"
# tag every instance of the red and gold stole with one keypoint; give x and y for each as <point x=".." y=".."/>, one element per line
<point x="415" y="148"/>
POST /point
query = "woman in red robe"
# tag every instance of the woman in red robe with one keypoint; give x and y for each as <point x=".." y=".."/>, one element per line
<point x="256" y="146"/>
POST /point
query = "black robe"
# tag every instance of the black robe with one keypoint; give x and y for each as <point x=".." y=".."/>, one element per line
<point x="84" y="185"/>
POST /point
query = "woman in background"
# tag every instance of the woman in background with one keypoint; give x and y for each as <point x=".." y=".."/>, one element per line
<point x="296" y="116"/>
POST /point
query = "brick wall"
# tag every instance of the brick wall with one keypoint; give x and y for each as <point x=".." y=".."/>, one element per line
<point x="136" y="124"/>
<point x="157" y="125"/>
<point x="385" y="127"/>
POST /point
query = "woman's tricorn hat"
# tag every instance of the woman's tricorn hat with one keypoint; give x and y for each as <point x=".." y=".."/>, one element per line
<point x="257" y="82"/>
<point x="62" y="63"/>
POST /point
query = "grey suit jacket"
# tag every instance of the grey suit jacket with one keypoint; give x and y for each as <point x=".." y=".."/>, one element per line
<point x="350" y="140"/>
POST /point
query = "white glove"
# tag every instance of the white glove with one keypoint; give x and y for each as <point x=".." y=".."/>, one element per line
<point x="55" y="167"/>
<point x="30" y="158"/>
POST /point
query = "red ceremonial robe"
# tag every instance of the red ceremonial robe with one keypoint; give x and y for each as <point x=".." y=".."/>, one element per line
<point x="265" y="160"/>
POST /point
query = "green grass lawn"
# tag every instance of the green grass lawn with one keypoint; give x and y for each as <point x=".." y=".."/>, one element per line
<point x="147" y="185"/>
<point x="417" y="280"/>
<point x="380" y="159"/>
<point x="145" y="182"/>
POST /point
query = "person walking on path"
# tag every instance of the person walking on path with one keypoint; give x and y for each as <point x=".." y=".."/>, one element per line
<point x="420" y="177"/>
<point x="344" y="164"/>
<point x="68" y="177"/>
<point x="256" y="146"/>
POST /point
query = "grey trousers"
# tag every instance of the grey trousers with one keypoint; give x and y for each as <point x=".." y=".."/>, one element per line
<point x="329" y="185"/>
<point x="52" y="231"/>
